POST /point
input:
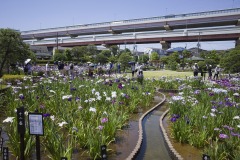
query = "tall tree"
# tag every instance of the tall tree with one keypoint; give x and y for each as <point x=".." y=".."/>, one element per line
<point x="230" y="62"/>
<point x="68" y="54"/>
<point x="154" y="56"/>
<point x="106" y="53"/>
<point x="79" y="52"/>
<point x="124" y="58"/>
<point x="91" y="50"/>
<point x="101" y="58"/>
<point x="114" y="49"/>
<point x="12" y="49"/>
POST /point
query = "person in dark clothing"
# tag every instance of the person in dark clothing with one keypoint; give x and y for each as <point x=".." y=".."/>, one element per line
<point x="60" y="67"/>
<point x="209" y="69"/>
<point x="202" y="71"/>
<point x="195" y="70"/>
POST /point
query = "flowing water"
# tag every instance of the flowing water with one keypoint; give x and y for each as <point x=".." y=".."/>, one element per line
<point x="153" y="147"/>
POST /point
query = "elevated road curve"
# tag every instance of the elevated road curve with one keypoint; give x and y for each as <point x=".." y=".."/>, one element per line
<point x="226" y="17"/>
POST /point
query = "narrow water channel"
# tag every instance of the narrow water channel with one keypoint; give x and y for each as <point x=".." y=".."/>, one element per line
<point x="153" y="146"/>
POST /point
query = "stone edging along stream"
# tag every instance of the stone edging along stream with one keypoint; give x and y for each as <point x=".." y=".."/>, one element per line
<point x="171" y="150"/>
<point x="173" y="153"/>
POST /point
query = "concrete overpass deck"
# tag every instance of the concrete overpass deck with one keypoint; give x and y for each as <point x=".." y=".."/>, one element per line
<point x="190" y="35"/>
<point x="225" y="17"/>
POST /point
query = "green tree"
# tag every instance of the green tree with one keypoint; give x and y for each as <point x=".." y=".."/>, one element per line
<point x="143" y="58"/>
<point x="173" y="61"/>
<point x="106" y="53"/>
<point x="213" y="55"/>
<point x="112" y="59"/>
<point x="79" y="52"/>
<point x="186" y="54"/>
<point x="164" y="59"/>
<point x="12" y="49"/>
<point x="154" y="56"/>
<point x="114" y="49"/>
<point x="92" y="50"/>
<point x="68" y="54"/>
<point x="124" y="58"/>
<point x="59" y="56"/>
<point x="101" y="58"/>
<point x="231" y="61"/>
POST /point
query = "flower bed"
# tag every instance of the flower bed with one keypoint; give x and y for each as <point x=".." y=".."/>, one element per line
<point x="78" y="114"/>
<point x="208" y="118"/>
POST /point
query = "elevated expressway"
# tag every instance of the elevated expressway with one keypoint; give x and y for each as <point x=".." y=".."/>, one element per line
<point x="206" y="26"/>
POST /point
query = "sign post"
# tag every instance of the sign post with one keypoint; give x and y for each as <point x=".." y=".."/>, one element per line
<point x="103" y="152"/>
<point x="5" y="153"/>
<point x="1" y="139"/>
<point x="1" y="144"/>
<point x="35" y="121"/>
<point x="21" y="129"/>
<point x="205" y="157"/>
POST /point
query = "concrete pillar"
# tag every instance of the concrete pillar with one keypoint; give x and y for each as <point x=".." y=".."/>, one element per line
<point x="238" y="22"/>
<point x="165" y="45"/>
<point x="167" y="27"/>
<point x="237" y="42"/>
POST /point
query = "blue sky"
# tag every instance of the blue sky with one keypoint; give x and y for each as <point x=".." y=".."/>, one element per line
<point x="38" y="14"/>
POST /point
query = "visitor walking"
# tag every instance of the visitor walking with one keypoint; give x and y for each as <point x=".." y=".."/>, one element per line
<point x="119" y="68"/>
<point x="202" y="71"/>
<point x="216" y="72"/>
<point x="133" y="69"/>
<point x="47" y="69"/>
<point x="71" y="70"/>
<point x="195" y="70"/>
<point x="209" y="69"/>
<point x="140" y="75"/>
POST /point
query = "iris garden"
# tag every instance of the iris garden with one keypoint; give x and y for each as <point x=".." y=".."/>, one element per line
<point x="83" y="114"/>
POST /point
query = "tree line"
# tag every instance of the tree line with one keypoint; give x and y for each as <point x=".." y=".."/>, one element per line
<point x="14" y="51"/>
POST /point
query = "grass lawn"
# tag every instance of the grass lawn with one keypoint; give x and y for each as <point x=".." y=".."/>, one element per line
<point x="166" y="73"/>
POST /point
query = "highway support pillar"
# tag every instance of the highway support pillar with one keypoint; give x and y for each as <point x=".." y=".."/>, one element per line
<point x="167" y="27"/>
<point x="237" y="42"/>
<point x="165" y="45"/>
<point x="238" y="22"/>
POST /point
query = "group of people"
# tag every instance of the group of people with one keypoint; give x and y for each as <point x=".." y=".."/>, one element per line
<point x="209" y="69"/>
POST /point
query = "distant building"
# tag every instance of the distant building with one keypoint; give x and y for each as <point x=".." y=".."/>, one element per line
<point x="41" y="52"/>
<point x="196" y="51"/>
<point x="160" y="52"/>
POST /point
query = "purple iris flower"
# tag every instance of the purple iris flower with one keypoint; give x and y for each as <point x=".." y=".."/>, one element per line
<point x="174" y="117"/>
<point x="211" y="94"/>
<point x="100" y="127"/>
<point x="113" y="101"/>
<point x="197" y="92"/>
<point x="104" y="120"/>
<point x="21" y="96"/>
<point x="120" y="86"/>
<point x="77" y="99"/>
<point x="42" y="106"/>
<point x="223" y="136"/>
<point x="46" y="115"/>
<point x="229" y="104"/>
<point x="121" y="102"/>
<point x="73" y="89"/>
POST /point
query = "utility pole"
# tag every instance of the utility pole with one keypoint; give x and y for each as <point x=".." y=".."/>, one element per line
<point x="57" y="40"/>
<point x="198" y="44"/>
